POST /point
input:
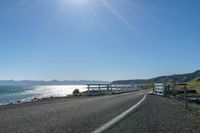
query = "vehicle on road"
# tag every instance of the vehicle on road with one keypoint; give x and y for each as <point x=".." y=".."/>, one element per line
<point x="159" y="89"/>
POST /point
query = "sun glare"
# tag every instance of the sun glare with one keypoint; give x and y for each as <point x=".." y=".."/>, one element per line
<point x="81" y="2"/>
<point x="77" y="2"/>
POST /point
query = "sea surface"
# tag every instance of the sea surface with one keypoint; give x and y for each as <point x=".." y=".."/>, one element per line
<point x="12" y="94"/>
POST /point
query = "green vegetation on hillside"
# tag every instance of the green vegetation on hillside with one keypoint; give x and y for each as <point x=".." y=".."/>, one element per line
<point x="193" y="80"/>
<point x="177" y="78"/>
<point x="195" y="84"/>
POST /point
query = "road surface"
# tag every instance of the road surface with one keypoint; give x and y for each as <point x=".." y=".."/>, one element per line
<point x="160" y="115"/>
<point x="65" y="115"/>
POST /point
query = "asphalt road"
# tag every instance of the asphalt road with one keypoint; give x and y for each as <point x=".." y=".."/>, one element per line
<point x="65" y="115"/>
<point x="160" y="115"/>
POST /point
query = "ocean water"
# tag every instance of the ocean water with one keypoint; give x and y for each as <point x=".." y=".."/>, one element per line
<point x="12" y="94"/>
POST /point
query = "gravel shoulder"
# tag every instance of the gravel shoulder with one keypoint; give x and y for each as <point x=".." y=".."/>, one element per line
<point x="159" y="114"/>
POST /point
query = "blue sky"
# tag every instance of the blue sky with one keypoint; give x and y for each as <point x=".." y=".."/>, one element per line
<point x="98" y="39"/>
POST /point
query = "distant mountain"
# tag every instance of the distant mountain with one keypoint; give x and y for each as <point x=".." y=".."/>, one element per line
<point x="177" y="78"/>
<point x="52" y="82"/>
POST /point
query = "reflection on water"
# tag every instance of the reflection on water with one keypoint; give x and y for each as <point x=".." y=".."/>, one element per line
<point x="10" y="94"/>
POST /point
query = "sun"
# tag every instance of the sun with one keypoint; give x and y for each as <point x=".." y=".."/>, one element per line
<point x="80" y="2"/>
<point x="77" y="2"/>
<point x="74" y="6"/>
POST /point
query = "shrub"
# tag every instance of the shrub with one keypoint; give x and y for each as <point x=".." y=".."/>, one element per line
<point x="76" y="92"/>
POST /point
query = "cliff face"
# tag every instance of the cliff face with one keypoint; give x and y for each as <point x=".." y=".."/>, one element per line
<point x="177" y="78"/>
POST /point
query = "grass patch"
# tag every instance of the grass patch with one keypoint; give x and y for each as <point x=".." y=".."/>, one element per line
<point x="195" y="84"/>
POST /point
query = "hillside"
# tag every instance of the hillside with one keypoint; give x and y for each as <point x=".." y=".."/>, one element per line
<point x="192" y="78"/>
<point x="195" y="84"/>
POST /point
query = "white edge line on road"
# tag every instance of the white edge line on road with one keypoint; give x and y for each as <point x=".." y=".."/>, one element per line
<point x="119" y="117"/>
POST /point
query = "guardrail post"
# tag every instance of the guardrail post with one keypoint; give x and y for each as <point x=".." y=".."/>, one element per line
<point x="185" y="97"/>
<point x="108" y="86"/>
<point x="99" y="89"/>
<point x="88" y="90"/>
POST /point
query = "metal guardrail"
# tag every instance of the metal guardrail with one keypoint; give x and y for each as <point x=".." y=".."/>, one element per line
<point x="103" y="89"/>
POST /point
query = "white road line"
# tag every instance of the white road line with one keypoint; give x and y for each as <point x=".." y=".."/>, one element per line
<point x="119" y="117"/>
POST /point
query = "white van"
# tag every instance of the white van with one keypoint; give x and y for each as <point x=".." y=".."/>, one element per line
<point x="159" y="89"/>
